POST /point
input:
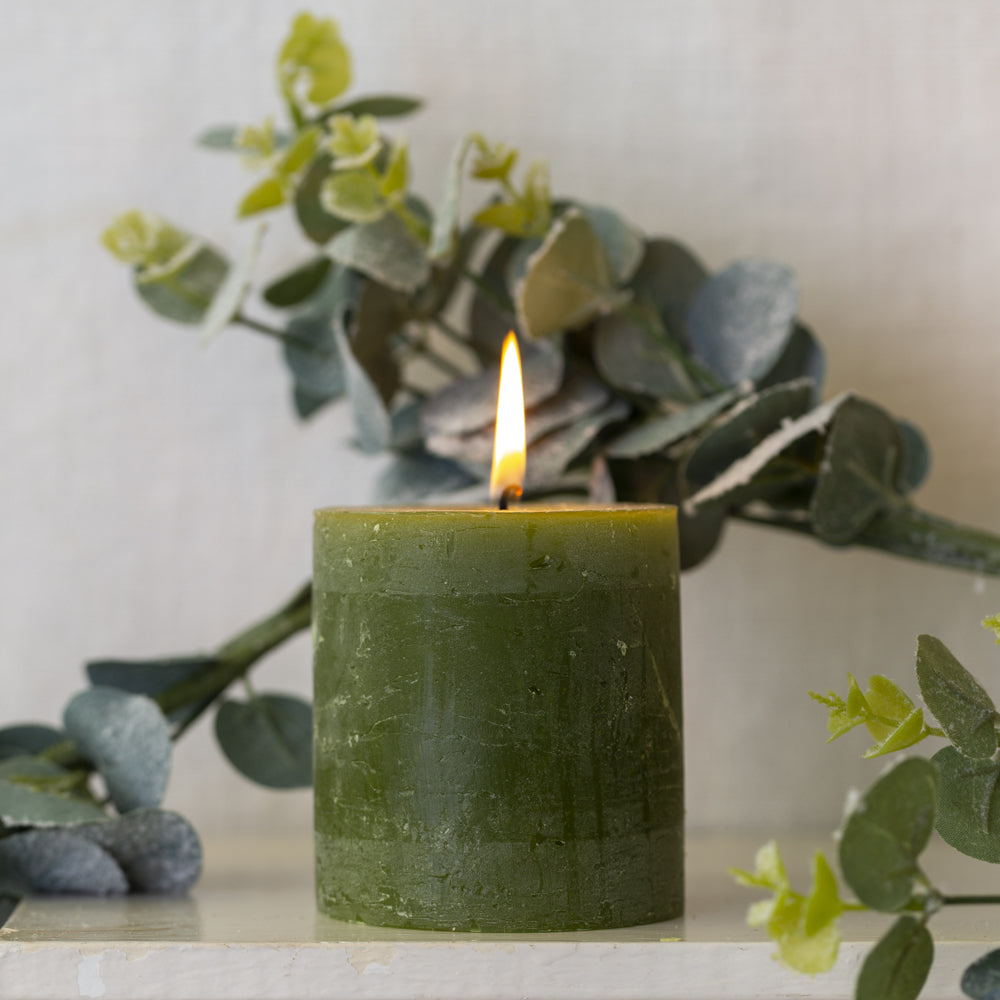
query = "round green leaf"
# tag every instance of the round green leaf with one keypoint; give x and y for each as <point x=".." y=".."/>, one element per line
<point x="313" y="357"/>
<point x="316" y="222"/>
<point x="897" y="967"/>
<point x="741" y="319"/>
<point x="384" y="250"/>
<point x="802" y="358"/>
<point x="378" y="105"/>
<point x="916" y="461"/>
<point x="28" y="738"/>
<point x="859" y="471"/>
<point x="295" y="287"/>
<point x="268" y="739"/>
<point x="957" y="700"/>
<point x="23" y="805"/>
<point x="413" y="475"/>
<point x="885" y="831"/>
<point x="981" y="980"/>
<point x="59" y="861"/>
<point x="183" y="289"/>
<point x="622" y="242"/>
<point x="668" y="278"/>
<point x="127" y="738"/>
<point x="969" y="810"/>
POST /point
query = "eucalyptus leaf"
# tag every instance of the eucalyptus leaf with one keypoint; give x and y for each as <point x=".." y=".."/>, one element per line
<point x="29" y="766"/>
<point x="859" y="471"/>
<point x="667" y="279"/>
<point x="158" y="851"/>
<point x="384" y="250"/>
<point x="294" y="288"/>
<point x="916" y="463"/>
<point x="969" y="810"/>
<point x="262" y="197"/>
<point x="59" y="861"/>
<point x="377" y="105"/>
<point x="635" y="356"/>
<point x="741" y="319"/>
<point x="30" y="738"/>
<point x="802" y="357"/>
<point x="897" y="967"/>
<point x="981" y="980"/>
<point x="372" y="422"/>
<point x="568" y="280"/>
<point x="317" y="223"/>
<point x="22" y="805"/>
<point x="268" y="739"/>
<point x="183" y="289"/>
<point x="656" y="433"/>
<point x="413" y="475"/>
<point x="622" y="242"/>
<point x="233" y="291"/>
<point x="446" y="222"/>
<point x="127" y="738"/>
<point x="742" y="472"/>
<point x="745" y="426"/>
<point x="313" y="357"/>
<point x="491" y="315"/>
<point x="957" y="700"/>
<point x="151" y="677"/>
<point x="468" y="404"/>
<point x="885" y="831"/>
<point x="381" y="315"/>
<point x="222" y="137"/>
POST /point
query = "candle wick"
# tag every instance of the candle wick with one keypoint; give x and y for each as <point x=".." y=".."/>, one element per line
<point x="510" y="495"/>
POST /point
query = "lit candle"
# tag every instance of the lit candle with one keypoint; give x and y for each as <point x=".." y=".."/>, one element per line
<point x="498" y="715"/>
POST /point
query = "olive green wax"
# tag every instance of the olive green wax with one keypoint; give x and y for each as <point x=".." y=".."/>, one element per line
<point x="498" y="717"/>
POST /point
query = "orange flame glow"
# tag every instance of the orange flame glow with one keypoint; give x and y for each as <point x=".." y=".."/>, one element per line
<point x="509" y="444"/>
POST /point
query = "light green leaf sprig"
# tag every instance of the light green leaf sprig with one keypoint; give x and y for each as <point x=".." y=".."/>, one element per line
<point x="285" y="167"/>
<point x="354" y="142"/>
<point x="314" y="65"/>
<point x="992" y="622"/>
<point x="257" y="143"/>
<point x="885" y="710"/>
<point x="143" y="239"/>
<point x="804" y="927"/>
<point x="526" y="212"/>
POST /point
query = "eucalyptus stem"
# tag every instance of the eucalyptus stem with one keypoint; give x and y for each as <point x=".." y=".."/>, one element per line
<point x="241" y="319"/>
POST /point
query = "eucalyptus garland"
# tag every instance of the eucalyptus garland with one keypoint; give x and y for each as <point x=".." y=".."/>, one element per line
<point x="647" y="378"/>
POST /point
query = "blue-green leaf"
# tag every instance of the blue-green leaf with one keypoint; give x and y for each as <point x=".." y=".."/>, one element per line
<point x="29" y="738"/>
<point x="969" y="810"/>
<point x="268" y="739"/>
<point x="384" y="250"/>
<point x="897" y="967"/>
<point x="23" y="805"/>
<point x="294" y="288"/>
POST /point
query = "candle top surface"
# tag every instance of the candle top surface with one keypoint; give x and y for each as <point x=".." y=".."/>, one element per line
<point x="521" y="508"/>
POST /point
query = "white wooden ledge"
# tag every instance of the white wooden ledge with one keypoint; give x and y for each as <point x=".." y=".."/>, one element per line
<point x="250" y="930"/>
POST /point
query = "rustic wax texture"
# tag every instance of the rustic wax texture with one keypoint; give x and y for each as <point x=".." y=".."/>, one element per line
<point x="498" y="717"/>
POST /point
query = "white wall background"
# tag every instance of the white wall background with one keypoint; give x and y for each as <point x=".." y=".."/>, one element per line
<point x="155" y="496"/>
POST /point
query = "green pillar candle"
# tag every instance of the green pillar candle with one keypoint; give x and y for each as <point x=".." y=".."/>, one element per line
<point x="498" y="717"/>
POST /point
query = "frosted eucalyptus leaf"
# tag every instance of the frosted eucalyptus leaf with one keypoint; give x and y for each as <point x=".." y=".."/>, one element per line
<point x="579" y="397"/>
<point x="916" y="462"/>
<point x="151" y="677"/>
<point x="268" y="739"/>
<point x="23" y="805"/>
<point x="127" y="738"/>
<point x="183" y="288"/>
<point x="313" y="357"/>
<point x="354" y="195"/>
<point x="859" y="471"/>
<point x="741" y="319"/>
<point x="385" y="250"/>
<point x="298" y="285"/>
<point x="981" y="980"/>
<point x="732" y="483"/>
<point x="313" y="61"/>
<point x="468" y="404"/>
<point x="897" y="967"/>
<point x="316" y="222"/>
<point x="549" y="457"/>
<point x="158" y="850"/>
<point x="885" y="831"/>
<point x="622" y="242"/>
<point x="656" y="433"/>
<point x="413" y="475"/>
<point x="59" y="861"/>
<point x="491" y="314"/>
<point x="28" y="766"/>
<point x="568" y="280"/>
<point x="957" y="700"/>
<point x="29" y="738"/>
<point x="667" y="279"/>
<point x="636" y="358"/>
<point x="233" y="291"/>
<point x="372" y="422"/>
<point x="446" y="221"/>
<point x="377" y="105"/>
<point x="969" y="810"/>
<point x="802" y="357"/>
<point x="741" y="429"/>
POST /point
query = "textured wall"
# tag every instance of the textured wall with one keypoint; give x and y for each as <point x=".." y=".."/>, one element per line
<point x="156" y="495"/>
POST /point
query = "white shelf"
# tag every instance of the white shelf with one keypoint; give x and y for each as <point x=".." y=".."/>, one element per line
<point x="250" y="930"/>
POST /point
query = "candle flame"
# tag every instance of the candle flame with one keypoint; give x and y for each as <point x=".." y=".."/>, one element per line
<point x="509" y="444"/>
